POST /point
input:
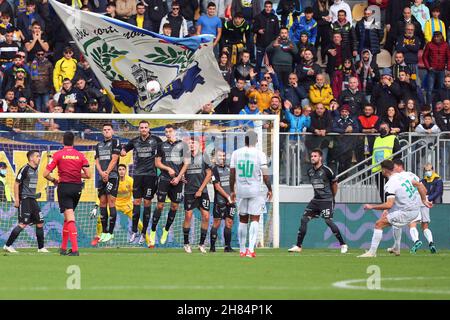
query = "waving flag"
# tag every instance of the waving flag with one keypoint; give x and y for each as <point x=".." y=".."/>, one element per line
<point x="125" y="58"/>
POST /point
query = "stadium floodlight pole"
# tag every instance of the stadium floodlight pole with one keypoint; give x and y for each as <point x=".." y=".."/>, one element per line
<point x="125" y="116"/>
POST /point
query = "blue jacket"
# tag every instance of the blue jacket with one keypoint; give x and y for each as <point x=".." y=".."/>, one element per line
<point x="297" y="123"/>
<point x="435" y="188"/>
<point x="248" y="123"/>
<point x="302" y="25"/>
<point x="295" y="95"/>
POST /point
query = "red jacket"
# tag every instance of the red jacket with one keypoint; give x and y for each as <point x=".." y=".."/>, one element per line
<point x="368" y="122"/>
<point x="383" y="5"/>
<point x="436" y="56"/>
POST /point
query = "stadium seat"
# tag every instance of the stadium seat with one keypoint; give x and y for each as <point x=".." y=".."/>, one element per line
<point x="358" y="11"/>
<point x="384" y="59"/>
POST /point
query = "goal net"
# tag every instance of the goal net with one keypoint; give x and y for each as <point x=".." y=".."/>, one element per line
<point x="25" y="132"/>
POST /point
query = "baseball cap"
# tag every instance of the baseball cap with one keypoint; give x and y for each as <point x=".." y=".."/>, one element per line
<point x="92" y="101"/>
<point x="3" y="165"/>
<point x="252" y="100"/>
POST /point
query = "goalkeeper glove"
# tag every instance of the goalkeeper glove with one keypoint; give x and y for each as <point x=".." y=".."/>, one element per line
<point x="93" y="212"/>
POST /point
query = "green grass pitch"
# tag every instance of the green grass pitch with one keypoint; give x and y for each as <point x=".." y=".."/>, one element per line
<point x="173" y="274"/>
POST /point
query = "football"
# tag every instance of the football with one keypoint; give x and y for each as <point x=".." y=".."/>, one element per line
<point x="153" y="87"/>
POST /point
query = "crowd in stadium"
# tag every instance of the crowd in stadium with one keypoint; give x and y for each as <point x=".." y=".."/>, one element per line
<point x="322" y="66"/>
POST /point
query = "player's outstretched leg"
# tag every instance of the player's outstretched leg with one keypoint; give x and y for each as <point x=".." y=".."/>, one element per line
<point x="301" y="234"/>
<point x="337" y="234"/>
<point x="170" y="219"/>
<point x="12" y="237"/>
<point x="155" y="219"/>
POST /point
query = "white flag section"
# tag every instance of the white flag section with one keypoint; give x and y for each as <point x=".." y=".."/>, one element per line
<point x="125" y="58"/>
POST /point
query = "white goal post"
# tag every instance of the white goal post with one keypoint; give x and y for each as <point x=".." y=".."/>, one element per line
<point x="273" y="142"/>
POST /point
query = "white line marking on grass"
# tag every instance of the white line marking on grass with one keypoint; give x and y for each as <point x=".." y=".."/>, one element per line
<point x="349" y="284"/>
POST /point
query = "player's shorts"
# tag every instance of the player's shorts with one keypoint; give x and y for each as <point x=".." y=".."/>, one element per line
<point x="108" y="188"/>
<point x="222" y="211"/>
<point x="144" y="187"/>
<point x="401" y="218"/>
<point x="253" y="206"/>
<point x="316" y="209"/>
<point x="165" y="189"/>
<point x="69" y="195"/>
<point x="191" y="202"/>
<point x="29" y="212"/>
<point x="424" y="215"/>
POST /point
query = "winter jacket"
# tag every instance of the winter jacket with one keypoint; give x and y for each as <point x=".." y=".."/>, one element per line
<point x="355" y="100"/>
<point x="25" y="20"/>
<point x="437" y="56"/>
<point x="397" y="68"/>
<point x="385" y="96"/>
<point x="304" y="79"/>
<point x="178" y="24"/>
<point x="270" y="24"/>
<point x="375" y="35"/>
<point x="421" y="128"/>
<point x="320" y="123"/>
<point x="340" y="124"/>
<point x="297" y="124"/>
<point x="348" y="34"/>
<point x="399" y="29"/>
<point x="283" y="54"/>
<point x="147" y="24"/>
<point x="286" y="7"/>
<point x="410" y="48"/>
<point x="435" y="188"/>
<point x="237" y="100"/>
<point x="322" y="95"/>
<point x="332" y="60"/>
<point x="442" y="94"/>
<point x="295" y="95"/>
<point x="408" y="90"/>
<point x="263" y="98"/>
<point x="242" y="70"/>
<point x="302" y="25"/>
<point x="318" y="14"/>
<point x="443" y="120"/>
<point x="41" y="76"/>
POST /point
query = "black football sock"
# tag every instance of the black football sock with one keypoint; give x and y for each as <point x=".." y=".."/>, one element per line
<point x="186" y="235"/>
<point x="203" y="233"/>
<point x="112" y="219"/>
<point x="13" y="236"/>
<point x="170" y="218"/>
<point x="227" y="236"/>
<point x="136" y="215"/>
<point x="302" y="230"/>
<point x="335" y="231"/>
<point x="213" y="236"/>
<point x="147" y="215"/>
<point x="155" y="218"/>
<point x="104" y="219"/>
<point x="40" y="237"/>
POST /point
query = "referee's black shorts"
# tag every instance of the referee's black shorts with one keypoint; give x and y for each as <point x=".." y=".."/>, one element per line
<point x="68" y="195"/>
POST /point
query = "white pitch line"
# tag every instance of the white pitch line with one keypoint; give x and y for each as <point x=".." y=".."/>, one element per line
<point x="348" y="284"/>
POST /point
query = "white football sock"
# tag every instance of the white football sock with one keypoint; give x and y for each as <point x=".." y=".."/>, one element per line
<point x="397" y="237"/>
<point x="242" y="232"/>
<point x="376" y="239"/>
<point x="254" y="225"/>
<point x="414" y="234"/>
<point x="427" y="233"/>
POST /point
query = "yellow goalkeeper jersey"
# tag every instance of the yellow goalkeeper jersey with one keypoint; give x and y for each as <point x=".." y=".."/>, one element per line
<point x="125" y="192"/>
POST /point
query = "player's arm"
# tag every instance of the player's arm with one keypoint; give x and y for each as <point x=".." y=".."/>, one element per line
<point x="126" y="148"/>
<point x="217" y="186"/>
<point x="162" y="166"/>
<point x="233" y="177"/>
<point x="85" y="173"/>
<point x="16" y="194"/>
<point x="265" y="173"/>
<point x="205" y="181"/>
<point x="334" y="188"/>
<point x="384" y="206"/>
<point x="48" y="170"/>
<point x="112" y="163"/>
<point x="423" y="193"/>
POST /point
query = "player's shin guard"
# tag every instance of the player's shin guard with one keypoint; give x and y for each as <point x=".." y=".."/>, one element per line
<point x="104" y="219"/>
<point x="253" y="231"/>
<point x="40" y="236"/>
<point x="335" y="230"/>
<point x="147" y="215"/>
<point x="155" y="218"/>
<point x="13" y="236"/>
<point x="376" y="239"/>
<point x="414" y="234"/>
<point x="213" y="236"/>
<point x="112" y="219"/>
<point x="170" y="218"/>
<point x="72" y="228"/>
<point x="227" y="236"/>
<point x="302" y="230"/>
<point x="203" y="233"/>
<point x="242" y="236"/>
<point x="135" y="220"/>
<point x="65" y="236"/>
<point x="397" y="232"/>
<point x="186" y="232"/>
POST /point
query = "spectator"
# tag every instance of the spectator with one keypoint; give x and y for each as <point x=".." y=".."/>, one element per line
<point x="436" y="58"/>
<point x="411" y="116"/>
<point x="24" y="105"/>
<point x="341" y="77"/>
<point x="237" y="99"/>
<point x="225" y="67"/>
<point x="322" y="15"/>
<point x="368" y="123"/>
<point x="71" y="95"/>
<point x="433" y="183"/>
<point x="111" y="10"/>
<point x="347" y="31"/>
<point x="306" y="23"/>
<point x="6" y="24"/>
<point x="353" y="98"/>
<point x="125" y="9"/>
<point x="297" y="122"/>
<point x="336" y="53"/>
<point x="8" y="101"/>
<point x="393" y="119"/>
<point x="187" y="10"/>
<point x="22" y="86"/>
<point x="275" y="108"/>
<point x="250" y="109"/>
<point x="400" y="65"/>
<point x="65" y="68"/>
<point x="294" y="92"/>
<point x="368" y="72"/>
<point x="84" y="70"/>
<point x="176" y="21"/>
<point x="410" y="45"/>
<point x="266" y="27"/>
<point x="385" y="93"/>
<point x="5" y="7"/>
<point x="438" y="107"/>
<point x="287" y="9"/>
<point x="393" y="15"/>
<point x="37" y="41"/>
<point x="282" y="51"/>
<point x="211" y="24"/>
<point x="250" y="9"/>
<point x="25" y="20"/>
<point x="434" y="24"/>
<point x="5" y="190"/>
<point x="235" y="34"/>
<point x="88" y="93"/>
<point x="344" y="145"/>
<point x="321" y="92"/>
<point x="41" y="80"/>
<point x="271" y="77"/>
<point x="243" y="68"/>
<point x="408" y="88"/>
<point x="369" y="33"/>
<point x="223" y="8"/>
<point x="167" y="30"/>
<point x="157" y="9"/>
<point x="320" y="125"/>
<point x="400" y="27"/>
<point x="8" y="48"/>
<point x="262" y="95"/>
<point x="443" y="117"/>
<point x="307" y="70"/>
<point x="9" y="73"/>
<point x="141" y="18"/>
<point x="443" y="93"/>
<point x="336" y="7"/>
<point x="304" y="45"/>
<point x="420" y="12"/>
<point x="382" y="4"/>
<point x="93" y="106"/>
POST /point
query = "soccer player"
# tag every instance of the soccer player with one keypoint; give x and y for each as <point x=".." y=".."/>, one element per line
<point x="223" y="207"/>
<point x="198" y="175"/>
<point x="106" y="159"/>
<point x="144" y="176"/>
<point x="325" y="187"/>
<point x="400" y="208"/>
<point x="173" y="160"/>
<point x="72" y="167"/>
<point x="25" y="200"/>
<point x="247" y="166"/>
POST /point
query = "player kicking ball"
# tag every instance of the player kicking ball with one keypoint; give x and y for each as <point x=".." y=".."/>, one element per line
<point x="247" y="168"/>
<point x="325" y="187"/>
<point x="25" y="200"/>
<point x="197" y="176"/>
<point x="400" y="209"/>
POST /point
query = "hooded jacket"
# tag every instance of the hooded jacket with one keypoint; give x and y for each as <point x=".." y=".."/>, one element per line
<point x="435" y="187"/>
<point x="366" y="79"/>
<point x="302" y="25"/>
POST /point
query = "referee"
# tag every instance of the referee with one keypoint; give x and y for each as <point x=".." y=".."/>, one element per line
<point x="72" y="167"/>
